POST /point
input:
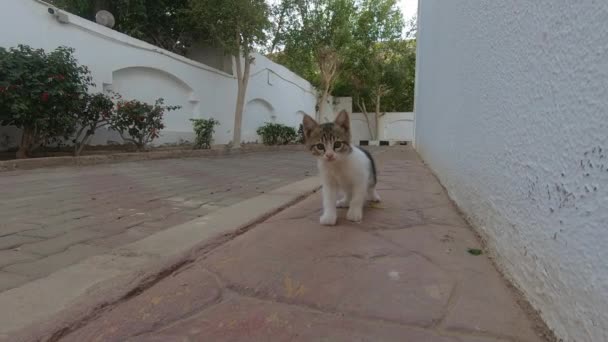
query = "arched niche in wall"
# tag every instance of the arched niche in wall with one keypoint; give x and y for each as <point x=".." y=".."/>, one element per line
<point x="148" y="84"/>
<point x="257" y="112"/>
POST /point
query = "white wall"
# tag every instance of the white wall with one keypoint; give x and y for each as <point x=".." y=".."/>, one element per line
<point x="139" y="70"/>
<point x="512" y="115"/>
<point x="394" y="126"/>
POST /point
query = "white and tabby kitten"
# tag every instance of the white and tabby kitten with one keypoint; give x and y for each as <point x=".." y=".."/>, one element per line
<point x="344" y="168"/>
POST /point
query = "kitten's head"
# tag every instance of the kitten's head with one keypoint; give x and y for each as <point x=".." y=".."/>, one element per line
<point x="329" y="141"/>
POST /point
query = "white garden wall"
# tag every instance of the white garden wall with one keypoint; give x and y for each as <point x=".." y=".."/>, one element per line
<point x="394" y="126"/>
<point x="138" y="70"/>
<point x="512" y="116"/>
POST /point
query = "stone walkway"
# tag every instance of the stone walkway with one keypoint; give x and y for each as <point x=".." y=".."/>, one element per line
<point x="52" y="218"/>
<point x="403" y="274"/>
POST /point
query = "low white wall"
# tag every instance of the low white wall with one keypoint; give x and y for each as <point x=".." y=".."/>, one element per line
<point x="138" y="70"/>
<point x="511" y="108"/>
<point x="393" y="126"/>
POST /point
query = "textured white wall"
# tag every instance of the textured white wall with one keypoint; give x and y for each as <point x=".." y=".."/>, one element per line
<point x="142" y="71"/>
<point x="512" y="115"/>
<point x="393" y="126"/>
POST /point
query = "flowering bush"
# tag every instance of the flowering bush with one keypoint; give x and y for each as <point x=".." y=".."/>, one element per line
<point x="41" y="93"/>
<point x="97" y="111"/>
<point x="139" y="122"/>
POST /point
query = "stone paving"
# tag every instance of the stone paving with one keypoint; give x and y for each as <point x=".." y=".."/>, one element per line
<point x="403" y="274"/>
<point x="52" y="218"/>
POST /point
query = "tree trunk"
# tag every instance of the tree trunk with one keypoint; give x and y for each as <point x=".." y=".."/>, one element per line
<point x="363" y="109"/>
<point x="322" y="102"/>
<point x="242" y="82"/>
<point x="27" y="139"/>
<point x="377" y="116"/>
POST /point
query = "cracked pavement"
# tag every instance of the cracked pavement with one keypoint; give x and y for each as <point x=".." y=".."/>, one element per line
<point x="403" y="274"/>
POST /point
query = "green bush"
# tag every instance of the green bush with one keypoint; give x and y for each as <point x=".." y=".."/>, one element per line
<point x="277" y="134"/>
<point x="138" y="122"/>
<point x="97" y="111"/>
<point x="301" y="139"/>
<point x="204" y="129"/>
<point x="41" y="93"/>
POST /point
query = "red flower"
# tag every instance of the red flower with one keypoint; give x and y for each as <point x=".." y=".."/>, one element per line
<point x="2" y="89"/>
<point x="44" y="97"/>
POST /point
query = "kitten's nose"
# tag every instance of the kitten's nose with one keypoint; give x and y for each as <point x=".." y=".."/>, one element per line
<point x="330" y="156"/>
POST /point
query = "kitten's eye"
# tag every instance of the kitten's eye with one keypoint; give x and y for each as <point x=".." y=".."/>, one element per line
<point x="337" y="145"/>
<point x="321" y="147"/>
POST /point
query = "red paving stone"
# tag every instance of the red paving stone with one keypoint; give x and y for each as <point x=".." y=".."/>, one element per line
<point x="403" y="274"/>
<point x="46" y="211"/>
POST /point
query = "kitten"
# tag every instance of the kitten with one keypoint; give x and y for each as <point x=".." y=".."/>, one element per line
<point x="343" y="167"/>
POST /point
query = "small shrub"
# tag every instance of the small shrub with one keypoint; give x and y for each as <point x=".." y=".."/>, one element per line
<point x="277" y="134"/>
<point x="204" y="129"/>
<point x="41" y="93"/>
<point x="301" y="139"/>
<point x="139" y="122"/>
<point x="98" y="111"/>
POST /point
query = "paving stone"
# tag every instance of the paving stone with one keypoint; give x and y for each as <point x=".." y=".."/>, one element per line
<point x="172" y="220"/>
<point x="443" y="245"/>
<point x="246" y="319"/>
<point x="14" y="241"/>
<point x="10" y="280"/>
<point x="9" y="257"/>
<point x="445" y="214"/>
<point x="104" y="203"/>
<point x="113" y="241"/>
<point x="45" y="266"/>
<point x="357" y="273"/>
<point x="13" y="226"/>
<point x="60" y="243"/>
<point x="175" y="297"/>
<point x="484" y="304"/>
<point x="49" y="232"/>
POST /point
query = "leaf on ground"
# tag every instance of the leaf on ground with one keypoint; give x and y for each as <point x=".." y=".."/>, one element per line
<point x="376" y="205"/>
<point x="474" y="251"/>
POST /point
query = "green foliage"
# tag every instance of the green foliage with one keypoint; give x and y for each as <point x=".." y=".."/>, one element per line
<point x="235" y="25"/>
<point x="139" y="122"/>
<point x="41" y="93"/>
<point x="317" y="29"/>
<point x="164" y="23"/>
<point x="364" y="41"/>
<point x="204" y="129"/>
<point x="97" y="111"/>
<point x="276" y="134"/>
<point x="301" y="139"/>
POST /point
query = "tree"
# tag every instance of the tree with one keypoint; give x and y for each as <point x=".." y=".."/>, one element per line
<point x="41" y="93"/>
<point x="237" y="26"/>
<point x="372" y="55"/>
<point x="164" y="23"/>
<point x="317" y="40"/>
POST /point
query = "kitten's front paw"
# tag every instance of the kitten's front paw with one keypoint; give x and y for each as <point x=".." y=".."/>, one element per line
<point x="328" y="219"/>
<point x="354" y="215"/>
<point x="343" y="203"/>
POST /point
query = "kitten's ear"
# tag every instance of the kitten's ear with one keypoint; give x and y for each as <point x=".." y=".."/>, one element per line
<point x="343" y="120"/>
<point x="309" y="124"/>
